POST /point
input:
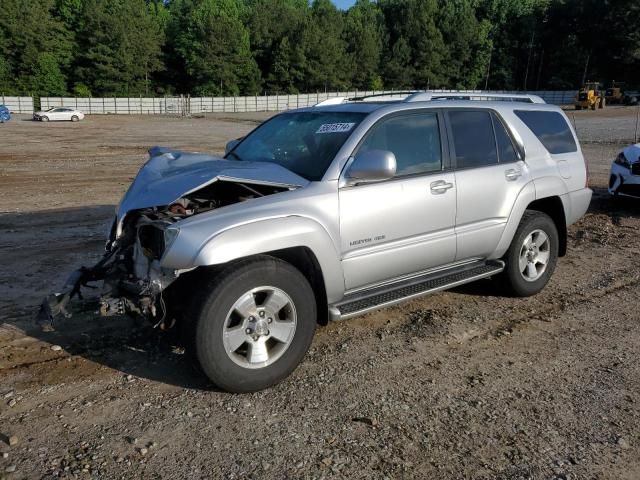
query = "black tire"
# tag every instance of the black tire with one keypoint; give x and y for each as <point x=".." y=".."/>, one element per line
<point x="513" y="280"/>
<point x="75" y="118"/>
<point x="44" y="119"/>
<point x="209" y="317"/>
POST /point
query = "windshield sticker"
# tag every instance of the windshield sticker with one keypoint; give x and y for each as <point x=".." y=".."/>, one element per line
<point x="335" y="127"/>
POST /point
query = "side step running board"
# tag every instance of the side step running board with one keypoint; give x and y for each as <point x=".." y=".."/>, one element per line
<point x="379" y="297"/>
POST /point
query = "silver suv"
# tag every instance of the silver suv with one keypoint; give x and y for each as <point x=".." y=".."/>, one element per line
<point x="328" y="212"/>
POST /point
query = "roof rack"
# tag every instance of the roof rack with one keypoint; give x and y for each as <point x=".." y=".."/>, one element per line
<point x="378" y="95"/>
<point x="425" y="96"/>
<point x="505" y="97"/>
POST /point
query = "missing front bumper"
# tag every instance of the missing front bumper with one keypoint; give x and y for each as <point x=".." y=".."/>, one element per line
<point x="120" y="292"/>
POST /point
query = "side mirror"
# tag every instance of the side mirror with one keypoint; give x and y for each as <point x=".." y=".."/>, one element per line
<point x="371" y="166"/>
<point x="231" y="144"/>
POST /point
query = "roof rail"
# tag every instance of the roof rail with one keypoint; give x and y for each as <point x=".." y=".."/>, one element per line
<point x="375" y="95"/>
<point x="505" y="97"/>
<point x="426" y="96"/>
<point x="331" y="101"/>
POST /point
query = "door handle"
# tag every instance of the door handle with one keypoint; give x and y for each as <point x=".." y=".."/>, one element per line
<point x="512" y="174"/>
<point x="440" y="186"/>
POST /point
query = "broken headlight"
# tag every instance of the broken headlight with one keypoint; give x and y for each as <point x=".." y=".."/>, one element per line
<point x="622" y="160"/>
<point x="170" y="235"/>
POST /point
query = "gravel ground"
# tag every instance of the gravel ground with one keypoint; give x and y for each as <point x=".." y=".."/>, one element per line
<point x="462" y="384"/>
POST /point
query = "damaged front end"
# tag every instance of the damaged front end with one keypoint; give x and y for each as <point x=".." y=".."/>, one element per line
<point x="171" y="187"/>
<point x="624" y="178"/>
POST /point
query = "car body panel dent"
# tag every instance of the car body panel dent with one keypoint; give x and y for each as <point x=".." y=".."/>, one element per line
<point x="171" y="174"/>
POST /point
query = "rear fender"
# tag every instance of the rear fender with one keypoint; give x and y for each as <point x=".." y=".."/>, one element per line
<point x="525" y="197"/>
<point x="540" y="188"/>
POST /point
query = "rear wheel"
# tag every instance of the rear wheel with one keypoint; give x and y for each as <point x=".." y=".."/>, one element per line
<point x="532" y="256"/>
<point x="254" y="324"/>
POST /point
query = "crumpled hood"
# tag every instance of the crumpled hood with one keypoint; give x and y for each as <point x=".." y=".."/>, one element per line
<point x="170" y="174"/>
<point x="632" y="153"/>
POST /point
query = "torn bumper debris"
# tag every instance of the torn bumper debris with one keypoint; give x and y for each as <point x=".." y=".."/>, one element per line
<point x="120" y="291"/>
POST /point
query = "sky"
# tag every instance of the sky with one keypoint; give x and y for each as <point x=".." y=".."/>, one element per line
<point x="344" y="4"/>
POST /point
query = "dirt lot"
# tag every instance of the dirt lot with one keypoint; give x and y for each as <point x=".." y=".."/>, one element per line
<point x="463" y="384"/>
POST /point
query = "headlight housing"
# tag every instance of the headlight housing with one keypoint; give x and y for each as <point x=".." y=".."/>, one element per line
<point x="170" y="235"/>
<point x="622" y="160"/>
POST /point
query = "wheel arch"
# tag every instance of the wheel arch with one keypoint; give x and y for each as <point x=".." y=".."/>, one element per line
<point x="301" y="241"/>
<point x="554" y="207"/>
<point x="303" y="259"/>
<point x="551" y="205"/>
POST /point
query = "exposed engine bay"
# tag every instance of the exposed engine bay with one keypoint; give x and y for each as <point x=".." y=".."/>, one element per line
<point x="133" y="280"/>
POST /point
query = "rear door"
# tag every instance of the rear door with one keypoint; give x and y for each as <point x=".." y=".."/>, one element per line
<point x="52" y="114"/>
<point x="57" y="114"/>
<point x="406" y="224"/>
<point x="489" y="176"/>
<point x="65" y="114"/>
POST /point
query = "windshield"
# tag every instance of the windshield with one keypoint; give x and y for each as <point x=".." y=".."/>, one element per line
<point x="303" y="142"/>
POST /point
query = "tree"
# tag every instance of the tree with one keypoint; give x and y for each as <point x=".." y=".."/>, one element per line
<point x="323" y="49"/>
<point x="5" y="77"/>
<point x="27" y="31"/>
<point x="364" y="34"/>
<point x="512" y="25"/>
<point x="231" y="47"/>
<point x="398" y="71"/>
<point x="281" y="76"/>
<point x="467" y="44"/>
<point x="120" y="45"/>
<point x="46" y="78"/>
<point x="211" y="44"/>
<point x="272" y="39"/>
<point x="413" y="33"/>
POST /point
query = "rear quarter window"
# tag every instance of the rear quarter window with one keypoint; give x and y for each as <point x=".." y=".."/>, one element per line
<point x="551" y="128"/>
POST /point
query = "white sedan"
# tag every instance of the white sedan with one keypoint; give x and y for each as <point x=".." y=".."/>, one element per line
<point x="59" y="113"/>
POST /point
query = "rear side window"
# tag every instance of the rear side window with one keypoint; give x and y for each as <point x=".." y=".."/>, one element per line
<point x="473" y="138"/>
<point x="551" y="129"/>
<point x="506" y="151"/>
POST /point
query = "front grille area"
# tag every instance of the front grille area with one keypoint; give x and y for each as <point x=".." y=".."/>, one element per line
<point x="635" y="168"/>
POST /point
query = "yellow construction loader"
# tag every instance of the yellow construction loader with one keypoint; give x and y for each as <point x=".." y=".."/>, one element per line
<point x="589" y="96"/>
<point x="615" y="94"/>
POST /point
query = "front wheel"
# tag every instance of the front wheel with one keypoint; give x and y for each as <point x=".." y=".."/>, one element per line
<point x="44" y="119"/>
<point x="75" y="118"/>
<point x="254" y="325"/>
<point x="532" y="256"/>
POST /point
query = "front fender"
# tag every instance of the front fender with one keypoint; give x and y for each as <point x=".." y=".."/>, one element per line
<point x="276" y="234"/>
